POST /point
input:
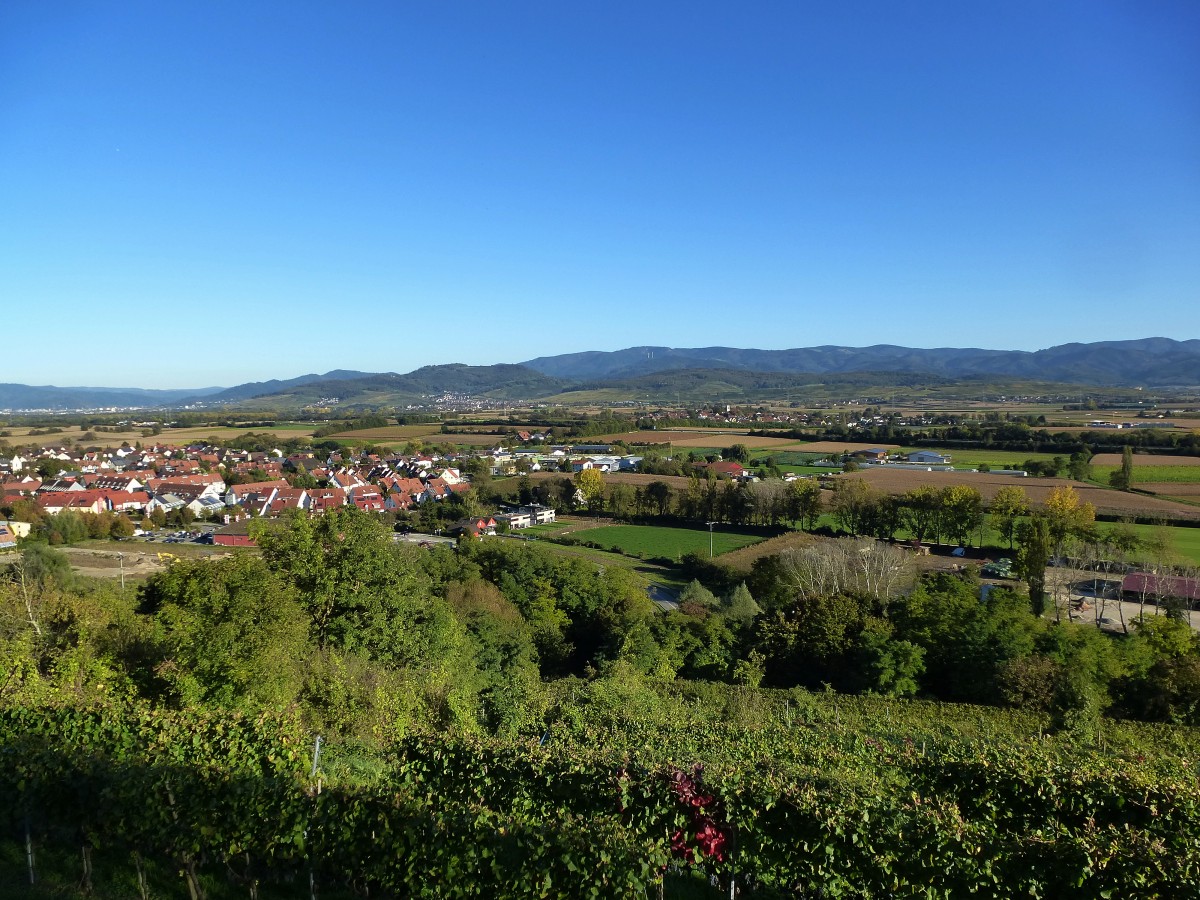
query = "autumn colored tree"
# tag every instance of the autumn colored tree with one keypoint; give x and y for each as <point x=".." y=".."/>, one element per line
<point x="591" y="485"/>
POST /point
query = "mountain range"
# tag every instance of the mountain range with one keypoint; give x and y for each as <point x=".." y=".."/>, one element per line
<point x="646" y="372"/>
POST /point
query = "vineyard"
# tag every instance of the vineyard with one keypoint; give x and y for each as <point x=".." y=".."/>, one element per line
<point x="809" y="797"/>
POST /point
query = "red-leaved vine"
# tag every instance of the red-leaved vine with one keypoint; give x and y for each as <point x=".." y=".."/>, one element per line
<point x="707" y="829"/>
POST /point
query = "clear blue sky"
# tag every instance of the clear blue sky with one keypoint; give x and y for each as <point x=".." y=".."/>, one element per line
<point x="214" y="192"/>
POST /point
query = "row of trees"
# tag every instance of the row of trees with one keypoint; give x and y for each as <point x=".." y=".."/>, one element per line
<point x="1018" y="436"/>
<point x="367" y="637"/>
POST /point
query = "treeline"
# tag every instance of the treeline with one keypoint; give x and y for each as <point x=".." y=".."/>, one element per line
<point x="1009" y="436"/>
<point x="367" y="636"/>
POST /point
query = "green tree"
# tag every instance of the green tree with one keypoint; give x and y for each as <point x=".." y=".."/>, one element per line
<point x="505" y="660"/>
<point x="886" y="665"/>
<point x="740" y="607"/>
<point x="122" y="527"/>
<point x="620" y="500"/>
<point x="1007" y="508"/>
<point x="738" y="453"/>
<point x="362" y="592"/>
<point x="658" y="493"/>
<point x="229" y="630"/>
<point x="803" y="502"/>
<point x="1080" y="465"/>
<point x="1122" y="478"/>
<point x="922" y="512"/>
<point x="962" y="512"/>
<point x="852" y="504"/>
<point x="1035" y="538"/>
<point x="697" y="599"/>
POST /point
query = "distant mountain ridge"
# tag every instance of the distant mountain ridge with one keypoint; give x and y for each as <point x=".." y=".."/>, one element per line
<point x="499" y="382"/>
<point x="1147" y="362"/>
<point x="24" y="396"/>
<point x="274" y="386"/>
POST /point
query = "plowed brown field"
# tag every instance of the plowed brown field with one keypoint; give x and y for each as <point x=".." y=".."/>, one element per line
<point x="1145" y="459"/>
<point x="1171" y="488"/>
<point x="1117" y="503"/>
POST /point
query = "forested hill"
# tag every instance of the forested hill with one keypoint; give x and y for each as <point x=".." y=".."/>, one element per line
<point x="630" y="374"/>
<point x="1149" y="361"/>
<point x="499" y="382"/>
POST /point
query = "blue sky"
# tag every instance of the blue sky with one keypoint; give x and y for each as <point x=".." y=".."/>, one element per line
<point x="210" y="193"/>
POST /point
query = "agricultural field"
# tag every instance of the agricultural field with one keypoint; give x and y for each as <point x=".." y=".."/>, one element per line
<point x="223" y="433"/>
<point x="1117" y="503"/>
<point x="708" y="439"/>
<point x="672" y="543"/>
<point x="1185" y="490"/>
<point x="784" y="458"/>
<point x="70" y="434"/>
<point x="743" y="559"/>
<point x="1156" y="474"/>
<point x="1183" y="543"/>
<point x="1148" y="460"/>
<point x="400" y="434"/>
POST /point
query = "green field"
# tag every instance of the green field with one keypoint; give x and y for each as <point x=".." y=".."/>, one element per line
<point x="1182" y="541"/>
<point x="997" y="459"/>
<point x="648" y="573"/>
<point x="786" y="458"/>
<point x="1176" y="474"/>
<point x="654" y="540"/>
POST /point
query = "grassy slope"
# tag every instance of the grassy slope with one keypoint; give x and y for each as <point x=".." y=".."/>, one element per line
<point x="652" y="540"/>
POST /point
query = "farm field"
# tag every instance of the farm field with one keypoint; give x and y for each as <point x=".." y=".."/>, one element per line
<point x="223" y="433"/>
<point x="1158" y="474"/>
<point x="1141" y="460"/>
<point x="1184" y="542"/>
<point x="787" y="457"/>
<point x="744" y="558"/>
<point x="705" y="438"/>
<point x="171" y="436"/>
<point x="1186" y="489"/>
<point x="392" y="432"/>
<point x="655" y="540"/>
<point x="1117" y="503"/>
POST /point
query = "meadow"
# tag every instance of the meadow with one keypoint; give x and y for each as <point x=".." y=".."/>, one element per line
<point x="671" y="543"/>
<point x="1155" y="474"/>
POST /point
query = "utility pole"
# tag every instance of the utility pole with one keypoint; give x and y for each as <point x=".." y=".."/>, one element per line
<point x="710" y="538"/>
<point x="121" y="560"/>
